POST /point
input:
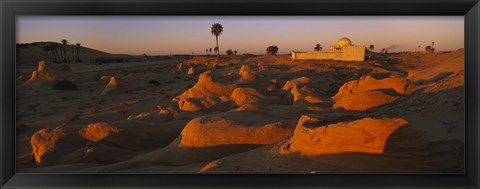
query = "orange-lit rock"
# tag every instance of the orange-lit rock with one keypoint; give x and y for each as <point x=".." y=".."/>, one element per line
<point x="209" y="103"/>
<point x="206" y="86"/>
<point x="244" y="69"/>
<point x="49" y="73"/>
<point x="112" y="85"/>
<point x="218" y="135"/>
<point x="160" y="115"/>
<point x="191" y="71"/>
<point x="314" y="136"/>
<point x="243" y="96"/>
<point x="399" y="85"/>
<point x="97" y="131"/>
<point x="364" y="100"/>
<point x="232" y="128"/>
<point x="105" y="78"/>
<point x="295" y="82"/>
<point x="247" y="74"/>
<point x="44" y="141"/>
<point x="305" y="93"/>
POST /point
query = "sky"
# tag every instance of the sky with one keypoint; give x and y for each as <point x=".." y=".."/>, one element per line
<point x="165" y="35"/>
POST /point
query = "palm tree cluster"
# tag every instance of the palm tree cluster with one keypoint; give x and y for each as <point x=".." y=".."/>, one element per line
<point x="57" y="52"/>
<point x="384" y="50"/>
<point x="271" y="50"/>
<point x="430" y="48"/>
<point x="208" y="51"/>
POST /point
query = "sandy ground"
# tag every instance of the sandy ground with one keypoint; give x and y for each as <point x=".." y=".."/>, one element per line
<point x="399" y="113"/>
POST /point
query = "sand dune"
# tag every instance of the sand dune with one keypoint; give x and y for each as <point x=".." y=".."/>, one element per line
<point x="251" y="114"/>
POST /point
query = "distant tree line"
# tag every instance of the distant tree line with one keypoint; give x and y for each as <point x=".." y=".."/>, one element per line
<point x="57" y="52"/>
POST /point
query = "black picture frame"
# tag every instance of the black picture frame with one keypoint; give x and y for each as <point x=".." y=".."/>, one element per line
<point x="470" y="9"/>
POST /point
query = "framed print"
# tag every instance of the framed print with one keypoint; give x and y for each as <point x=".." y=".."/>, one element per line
<point x="256" y="94"/>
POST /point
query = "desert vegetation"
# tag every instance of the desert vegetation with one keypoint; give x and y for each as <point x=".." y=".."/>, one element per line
<point x="271" y="50"/>
<point x="217" y="30"/>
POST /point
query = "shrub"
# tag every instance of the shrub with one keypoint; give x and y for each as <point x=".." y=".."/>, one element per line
<point x="271" y="50"/>
<point x="65" y="85"/>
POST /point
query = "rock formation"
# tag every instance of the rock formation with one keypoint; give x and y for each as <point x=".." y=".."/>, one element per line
<point x="191" y="71"/>
<point x="112" y="85"/>
<point x="97" y="131"/>
<point x="315" y="136"/>
<point x="206" y="86"/>
<point x="364" y="100"/>
<point x="243" y="96"/>
<point x="399" y="85"/>
<point x="48" y="73"/>
<point x="209" y="104"/>
<point x="369" y="92"/>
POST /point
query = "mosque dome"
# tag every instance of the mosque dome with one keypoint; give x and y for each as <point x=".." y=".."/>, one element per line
<point x="343" y="42"/>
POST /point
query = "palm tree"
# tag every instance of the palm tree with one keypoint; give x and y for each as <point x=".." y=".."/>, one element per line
<point x="216" y="50"/>
<point x="206" y="51"/>
<point x="217" y="30"/>
<point x="235" y="52"/>
<point x="64" y="46"/>
<point x="210" y="50"/>
<point x="371" y="47"/>
<point x="318" y="47"/>
<point x="79" y="46"/>
<point x="428" y="48"/>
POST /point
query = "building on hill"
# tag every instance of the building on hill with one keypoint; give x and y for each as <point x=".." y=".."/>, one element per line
<point x="343" y="50"/>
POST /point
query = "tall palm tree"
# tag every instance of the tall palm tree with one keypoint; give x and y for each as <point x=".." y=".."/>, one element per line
<point x="64" y="46"/>
<point x="235" y="52"/>
<point x="78" y="46"/>
<point x="210" y="50"/>
<point x="371" y="47"/>
<point x="217" y="30"/>
<point x="206" y="51"/>
<point x="318" y="47"/>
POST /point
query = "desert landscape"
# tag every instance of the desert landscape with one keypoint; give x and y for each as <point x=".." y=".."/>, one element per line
<point x="217" y="113"/>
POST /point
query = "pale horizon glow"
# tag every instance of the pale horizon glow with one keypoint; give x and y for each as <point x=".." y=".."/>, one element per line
<point x="164" y="35"/>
